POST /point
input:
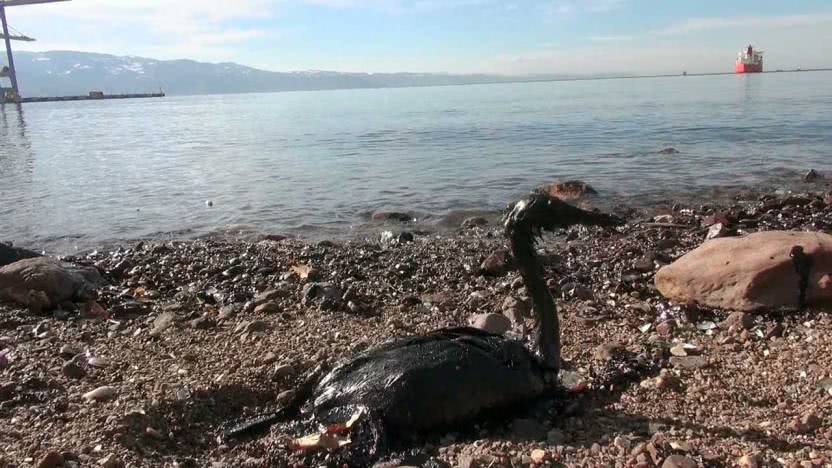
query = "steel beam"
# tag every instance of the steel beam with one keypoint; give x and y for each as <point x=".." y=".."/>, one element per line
<point x="11" y="3"/>
<point x="12" y="74"/>
<point x="18" y="38"/>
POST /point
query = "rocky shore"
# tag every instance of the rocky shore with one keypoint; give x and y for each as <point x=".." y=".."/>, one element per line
<point x="142" y="355"/>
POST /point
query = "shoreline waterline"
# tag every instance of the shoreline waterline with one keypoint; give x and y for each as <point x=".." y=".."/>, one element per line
<point x="370" y="224"/>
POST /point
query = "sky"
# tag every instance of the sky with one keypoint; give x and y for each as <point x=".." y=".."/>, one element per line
<point x="513" y="37"/>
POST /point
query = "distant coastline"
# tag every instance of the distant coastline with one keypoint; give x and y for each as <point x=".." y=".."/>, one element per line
<point x="67" y="73"/>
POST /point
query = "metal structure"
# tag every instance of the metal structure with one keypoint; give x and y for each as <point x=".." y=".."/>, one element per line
<point x="10" y="71"/>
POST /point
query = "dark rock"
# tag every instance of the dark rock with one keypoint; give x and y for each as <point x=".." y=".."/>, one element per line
<point x="203" y="323"/>
<point x="275" y="237"/>
<point x="51" y="460"/>
<point x="324" y="293"/>
<point x="389" y="238"/>
<point x="68" y="351"/>
<point x="774" y="331"/>
<point x="234" y="271"/>
<point x="474" y="221"/>
<point x="230" y="310"/>
<point x="39" y="302"/>
<point x="581" y="292"/>
<point x="796" y="200"/>
<point x="283" y="372"/>
<point x="668" y="150"/>
<point x="9" y="254"/>
<point x="644" y="264"/>
<point x="285" y="397"/>
<point x="528" y="429"/>
<point x="267" y="308"/>
<point x="73" y="370"/>
<point x="393" y="216"/>
<point x="664" y="244"/>
<point x="7" y="390"/>
<point x="812" y="175"/>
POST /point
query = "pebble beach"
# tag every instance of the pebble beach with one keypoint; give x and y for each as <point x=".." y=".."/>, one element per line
<point x="186" y="337"/>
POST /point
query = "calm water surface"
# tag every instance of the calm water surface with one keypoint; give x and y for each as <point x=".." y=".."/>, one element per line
<point x="75" y="175"/>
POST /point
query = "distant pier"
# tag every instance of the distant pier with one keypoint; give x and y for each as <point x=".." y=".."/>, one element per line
<point x="89" y="97"/>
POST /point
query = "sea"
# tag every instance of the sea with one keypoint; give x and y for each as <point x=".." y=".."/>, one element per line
<point x="82" y="175"/>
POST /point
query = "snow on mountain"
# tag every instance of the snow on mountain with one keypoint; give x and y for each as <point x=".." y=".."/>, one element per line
<point x="58" y="73"/>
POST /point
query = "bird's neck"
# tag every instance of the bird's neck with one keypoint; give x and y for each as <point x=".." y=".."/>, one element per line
<point x="547" y="332"/>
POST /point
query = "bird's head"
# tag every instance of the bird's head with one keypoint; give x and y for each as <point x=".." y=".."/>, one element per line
<point x="539" y="211"/>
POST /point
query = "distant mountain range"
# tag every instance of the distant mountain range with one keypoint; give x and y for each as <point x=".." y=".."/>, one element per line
<point x="58" y="73"/>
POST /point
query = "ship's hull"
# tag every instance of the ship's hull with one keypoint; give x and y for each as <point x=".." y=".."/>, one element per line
<point x="748" y="68"/>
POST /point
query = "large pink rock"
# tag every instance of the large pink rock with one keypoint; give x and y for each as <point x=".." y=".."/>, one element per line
<point x="748" y="273"/>
<point x="46" y="278"/>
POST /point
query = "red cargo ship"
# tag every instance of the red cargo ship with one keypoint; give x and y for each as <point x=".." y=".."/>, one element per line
<point x="749" y="61"/>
